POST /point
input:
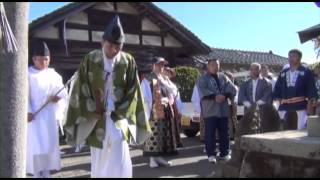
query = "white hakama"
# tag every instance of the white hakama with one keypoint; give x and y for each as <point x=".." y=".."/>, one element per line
<point x="302" y="118"/>
<point x="113" y="160"/>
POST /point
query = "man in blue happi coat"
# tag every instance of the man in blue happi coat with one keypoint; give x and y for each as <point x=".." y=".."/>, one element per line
<point x="294" y="88"/>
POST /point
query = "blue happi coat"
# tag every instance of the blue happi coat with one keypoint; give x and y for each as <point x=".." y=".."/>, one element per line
<point x="304" y="86"/>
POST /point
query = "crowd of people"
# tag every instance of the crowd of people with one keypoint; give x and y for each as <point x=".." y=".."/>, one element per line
<point x="108" y="106"/>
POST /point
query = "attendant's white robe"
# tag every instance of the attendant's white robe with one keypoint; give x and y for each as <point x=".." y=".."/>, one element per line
<point x="43" y="153"/>
<point x="113" y="160"/>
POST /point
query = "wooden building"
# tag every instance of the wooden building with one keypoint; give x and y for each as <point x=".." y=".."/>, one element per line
<point x="77" y="28"/>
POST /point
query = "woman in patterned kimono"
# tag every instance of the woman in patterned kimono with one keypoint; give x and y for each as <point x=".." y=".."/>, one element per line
<point x="156" y="92"/>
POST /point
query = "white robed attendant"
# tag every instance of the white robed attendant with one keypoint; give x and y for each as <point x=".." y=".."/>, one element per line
<point x="113" y="160"/>
<point x="43" y="153"/>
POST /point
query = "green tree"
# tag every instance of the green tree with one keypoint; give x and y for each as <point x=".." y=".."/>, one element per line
<point x="185" y="81"/>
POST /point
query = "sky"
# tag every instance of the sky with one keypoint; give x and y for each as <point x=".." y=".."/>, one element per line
<point x="236" y="25"/>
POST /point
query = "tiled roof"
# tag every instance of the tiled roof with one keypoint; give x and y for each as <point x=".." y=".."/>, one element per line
<point x="243" y="57"/>
<point x="309" y="33"/>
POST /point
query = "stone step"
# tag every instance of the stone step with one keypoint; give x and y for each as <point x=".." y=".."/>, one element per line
<point x="230" y="171"/>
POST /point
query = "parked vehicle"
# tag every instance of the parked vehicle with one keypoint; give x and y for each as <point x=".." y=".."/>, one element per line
<point x="190" y="121"/>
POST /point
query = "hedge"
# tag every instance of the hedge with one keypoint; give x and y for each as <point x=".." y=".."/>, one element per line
<point x="185" y="80"/>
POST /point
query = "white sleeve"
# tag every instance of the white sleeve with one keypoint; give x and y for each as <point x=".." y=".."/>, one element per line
<point x="274" y="80"/>
<point x="61" y="105"/>
<point x="29" y="105"/>
<point x="147" y="95"/>
<point x="172" y="88"/>
<point x="195" y="99"/>
<point x="236" y="97"/>
<point x="64" y="93"/>
<point x="179" y="103"/>
<point x="30" y="109"/>
<point x="260" y="102"/>
<point x="246" y="104"/>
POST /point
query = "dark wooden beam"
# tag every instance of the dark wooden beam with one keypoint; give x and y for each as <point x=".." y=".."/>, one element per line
<point x="65" y="66"/>
<point x="140" y="34"/>
<point x="60" y="29"/>
<point x="162" y="41"/>
<point x="55" y="43"/>
<point x="143" y="12"/>
<point x="84" y="27"/>
<point x="90" y="31"/>
<point x="115" y="6"/>
<point x="154" y="33"/>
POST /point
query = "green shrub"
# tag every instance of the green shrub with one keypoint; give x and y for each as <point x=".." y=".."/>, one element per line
<point x="185" y="81"/>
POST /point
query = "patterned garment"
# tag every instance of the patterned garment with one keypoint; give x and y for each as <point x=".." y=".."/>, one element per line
<point x="177" y="124"/>
<point x="163" y="140"/>
<point x="83" y="124"/>
<point x="232" y="119"/>
<point x="258" y="119"/>
<point x="291" y="77"/>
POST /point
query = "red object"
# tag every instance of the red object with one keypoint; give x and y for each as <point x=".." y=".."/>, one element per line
<point x="141" y="77"/>
<point x="318" y="4"/>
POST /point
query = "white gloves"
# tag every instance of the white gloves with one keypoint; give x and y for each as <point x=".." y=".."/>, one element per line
<point x="247" y="104"/>
<point x="260" y="102"/>
<point x="164" y="100"/>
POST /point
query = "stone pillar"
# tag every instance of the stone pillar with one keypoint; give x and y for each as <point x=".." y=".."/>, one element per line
<point x="14" y="94"/>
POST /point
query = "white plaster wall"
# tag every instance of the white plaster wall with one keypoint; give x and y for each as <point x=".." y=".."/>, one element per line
<point x="151" y="40"/>
<point x="79" y="18"/>
<point x="170" y="41"/>
<point x="79" y="35"/>
<point x="50" y="33"/>
<point x="147" y="25"/>
<point x="104" y="6"/>
<point x="132" y="39"/>
<point x="97" y="36"/>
